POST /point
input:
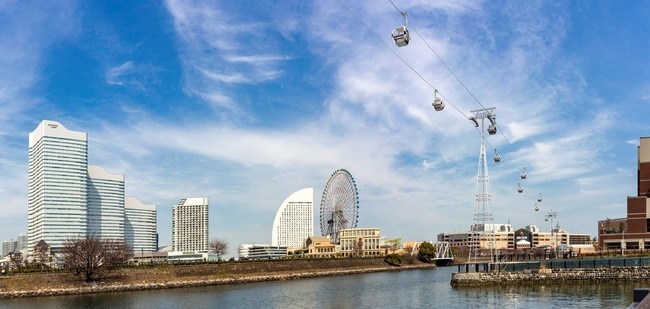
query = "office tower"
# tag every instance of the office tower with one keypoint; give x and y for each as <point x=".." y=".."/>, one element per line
<point x="22" y="241"/>
<point x="105" y="203"/>
<point x="57" y="192"/>
<point x="140" y="225"/>
<point x="294" y="221"/>
<point x="190" y="225"/>
<point x="8" y="246"/>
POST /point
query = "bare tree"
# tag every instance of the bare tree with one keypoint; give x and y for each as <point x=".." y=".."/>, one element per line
<point x="219" y="246"/>
<point x="94" y="257"/>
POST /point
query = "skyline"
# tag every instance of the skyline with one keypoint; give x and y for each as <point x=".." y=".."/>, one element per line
<point x="246" y="103"/>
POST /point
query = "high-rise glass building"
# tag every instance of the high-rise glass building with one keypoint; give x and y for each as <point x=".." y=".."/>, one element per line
<point x="57" y="192"/>
<point x="190" y="225"/>
<point x="8" y="246"/>
<point x="140" y="225"/>
<point x="105" y="203"/>
<point x="294" y="221"/>
<point x="22" y="241"/>
<point x="67" y="198"/>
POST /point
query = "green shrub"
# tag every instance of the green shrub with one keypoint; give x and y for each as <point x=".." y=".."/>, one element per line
<point x="393" y="259"/>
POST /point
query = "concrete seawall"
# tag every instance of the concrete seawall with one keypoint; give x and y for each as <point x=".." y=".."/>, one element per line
<point x="637" y="273"/>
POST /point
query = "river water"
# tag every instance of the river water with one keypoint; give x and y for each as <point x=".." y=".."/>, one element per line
<point x="421" y="288"/>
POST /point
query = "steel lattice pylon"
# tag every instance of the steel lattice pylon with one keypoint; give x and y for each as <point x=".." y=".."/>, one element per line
<point x="482" y="230"/>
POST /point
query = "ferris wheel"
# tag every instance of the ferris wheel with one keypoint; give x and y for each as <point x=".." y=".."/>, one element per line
<point x="339" y="206"/>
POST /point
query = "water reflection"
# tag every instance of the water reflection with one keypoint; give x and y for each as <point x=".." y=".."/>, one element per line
<point x="405" y="289"/>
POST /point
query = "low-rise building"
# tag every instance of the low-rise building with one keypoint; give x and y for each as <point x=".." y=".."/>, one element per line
<point x="261" y="252"/>
<point x="360" y="242"/>
<point x="321" y="246"/>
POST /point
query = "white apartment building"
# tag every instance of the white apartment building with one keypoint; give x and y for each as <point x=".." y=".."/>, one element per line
<point x="105" y="203"/>
<point x="57" y="192"/>
<point x="140" y="225"/>
<point x="294" y="221"/>
<point x="190" y="225"/>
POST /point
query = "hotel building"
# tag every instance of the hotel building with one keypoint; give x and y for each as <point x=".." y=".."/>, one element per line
<point x="294" y="221"/>
<point x="190" y="225"/>
<point x="140" y="225"/>
<point x="67" y="198"/>
<point x="105" y="203"/>
<point x="57" y="192"/>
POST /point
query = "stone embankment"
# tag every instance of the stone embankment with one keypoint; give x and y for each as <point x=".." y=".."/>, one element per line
<point x="638" y="273"/>
<point x="201" y="275"/>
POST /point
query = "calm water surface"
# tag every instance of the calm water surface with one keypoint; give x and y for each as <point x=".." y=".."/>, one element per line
<point x="426" y="288"/>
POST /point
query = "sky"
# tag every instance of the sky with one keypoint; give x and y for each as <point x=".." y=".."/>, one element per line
<point x="246" y="102"/>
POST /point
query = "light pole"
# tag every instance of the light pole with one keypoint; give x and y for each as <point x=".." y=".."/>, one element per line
<point x="552" y="215"/>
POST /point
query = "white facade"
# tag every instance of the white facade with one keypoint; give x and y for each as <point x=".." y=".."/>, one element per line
<point x="67" y="198"/>
<point x="140" y="225"/>
<point x="261" y="252"/>
<point x="22" y="241"/>
<point x="190" y="225"/>
<point x="105" y="203"/>
<point x="360" y="242"/>
<point x="57" y="192"/>
<point x="294" y="221"/>
<point x="8" y="246"/>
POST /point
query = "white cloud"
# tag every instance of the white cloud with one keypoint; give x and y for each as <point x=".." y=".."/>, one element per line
<point x="113" y="74"/>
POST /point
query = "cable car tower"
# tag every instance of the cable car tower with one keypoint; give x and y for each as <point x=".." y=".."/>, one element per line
<point x="483" y="223"/>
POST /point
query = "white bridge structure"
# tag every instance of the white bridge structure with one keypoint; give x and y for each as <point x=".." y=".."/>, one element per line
<point x="443" y="252"/>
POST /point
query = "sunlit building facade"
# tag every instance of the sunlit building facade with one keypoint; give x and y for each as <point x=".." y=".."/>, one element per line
<point x="57" y="192"/>
<point x="140" y="225"/>
<point x="105" y="203"/>
<point x="190" y="225"/>
<point x="362" y="242"/>
<point x="294" y="221"/>
<point x="67" y="198"/>
<point x="633" y="231"/>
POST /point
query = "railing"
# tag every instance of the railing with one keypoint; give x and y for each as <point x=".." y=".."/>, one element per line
<point x="555" y="264"/>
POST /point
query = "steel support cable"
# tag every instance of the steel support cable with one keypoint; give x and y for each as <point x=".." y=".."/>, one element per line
<point x="447" y="67"/>
<point x="402" y="59"/>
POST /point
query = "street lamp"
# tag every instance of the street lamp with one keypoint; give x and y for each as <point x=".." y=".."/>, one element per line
<point x="552" y="215"/>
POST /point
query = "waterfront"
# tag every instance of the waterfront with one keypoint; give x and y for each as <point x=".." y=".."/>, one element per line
<point x="421" y="288"/>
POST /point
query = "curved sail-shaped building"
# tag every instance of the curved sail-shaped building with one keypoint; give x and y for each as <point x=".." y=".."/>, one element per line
<point x="294" y="221"/>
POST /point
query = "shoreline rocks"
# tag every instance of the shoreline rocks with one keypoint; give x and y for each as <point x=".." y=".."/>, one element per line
<point x="634" y="273"/>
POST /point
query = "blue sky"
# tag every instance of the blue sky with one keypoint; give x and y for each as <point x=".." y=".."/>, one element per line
<point x="248" y="101"/>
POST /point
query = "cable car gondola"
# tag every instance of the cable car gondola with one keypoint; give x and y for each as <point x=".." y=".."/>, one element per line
<point x="497" y="157"/>
<point x="438" y="105"/>
<point x="519" y="188"/>
<point x="523" y="173"/>
<point x="401" y="34"/>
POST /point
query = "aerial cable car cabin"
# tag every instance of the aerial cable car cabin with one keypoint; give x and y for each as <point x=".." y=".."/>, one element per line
<point x="401" y="35"/>
<point x="497" y="157"/>
<point x="437" y="104"/>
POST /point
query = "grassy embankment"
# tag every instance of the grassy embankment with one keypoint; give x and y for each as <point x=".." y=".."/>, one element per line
<point x="170" y="276"/>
